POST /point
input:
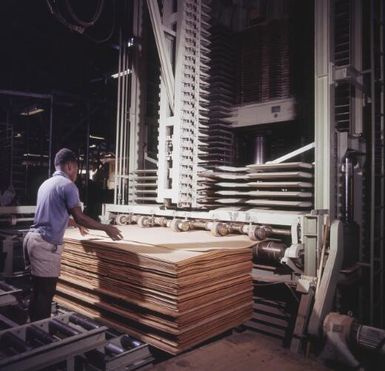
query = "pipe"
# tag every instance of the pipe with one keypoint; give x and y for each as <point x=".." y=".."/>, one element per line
<point x="87" y="154"/>
<point x="117" y="151"/>
<point x="348" y="169"/>
<point x="123" y="122"/>
<point x="280" y="232"/>
<point x="259" y="155"/>
<point x="50" y="136"/>
<point x="18" y="93"/>
<point x="11" y="220"/>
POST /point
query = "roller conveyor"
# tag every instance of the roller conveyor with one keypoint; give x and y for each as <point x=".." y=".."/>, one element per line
<point x="38" y="345"/>
<point x="66" y="336"/>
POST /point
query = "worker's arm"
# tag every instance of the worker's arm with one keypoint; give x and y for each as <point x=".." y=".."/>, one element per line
<point x="86" y="221"/>
<point x="72" y="223"/>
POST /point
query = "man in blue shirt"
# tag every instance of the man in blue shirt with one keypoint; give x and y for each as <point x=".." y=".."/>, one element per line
<point x="57" y="199"/>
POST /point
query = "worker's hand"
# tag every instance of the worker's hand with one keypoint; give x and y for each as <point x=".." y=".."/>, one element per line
<point x="83" y="230"/>
<point x="113" y="232"/>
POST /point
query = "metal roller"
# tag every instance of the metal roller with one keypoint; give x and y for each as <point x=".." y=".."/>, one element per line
<point x="129" y="342"/>
<point x="122" y="219"/>
<point x="178" y="225"/>
<point x="199" y="224"/>
<point x="37" y="336"/>
<point x="219" y="229"/>
<point x="56" y="326"/>
<point x="269" y="252"/>
<point x="174" y="225"/>
<point x="113" y="349"/>
<point x="144" y="222"/>
<point x="259" y="232"/>
<point x="84" y="322"/>
<point x="161" y="221"/>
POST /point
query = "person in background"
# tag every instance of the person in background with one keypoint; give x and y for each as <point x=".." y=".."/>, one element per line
<point x="57" y="199"/>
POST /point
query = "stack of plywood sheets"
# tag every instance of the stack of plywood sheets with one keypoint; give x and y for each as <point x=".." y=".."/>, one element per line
<point x="172" y="290"/>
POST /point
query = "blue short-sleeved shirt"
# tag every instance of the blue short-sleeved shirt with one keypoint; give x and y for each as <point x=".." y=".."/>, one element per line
<point x="55" y="197"/>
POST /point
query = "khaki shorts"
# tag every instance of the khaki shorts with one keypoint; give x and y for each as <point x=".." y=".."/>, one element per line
<point x="43" y="257"/>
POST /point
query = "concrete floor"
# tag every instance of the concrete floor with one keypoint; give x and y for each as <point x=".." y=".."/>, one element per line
<point x="243" y="351"/>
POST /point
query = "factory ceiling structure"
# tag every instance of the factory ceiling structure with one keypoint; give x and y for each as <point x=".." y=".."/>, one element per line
<point x="237" y="144"/>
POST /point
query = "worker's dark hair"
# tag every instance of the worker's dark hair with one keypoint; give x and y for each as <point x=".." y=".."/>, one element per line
<point x="63" y="156"/>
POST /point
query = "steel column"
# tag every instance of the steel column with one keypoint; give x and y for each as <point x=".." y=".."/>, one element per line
<point x="324" y="116"/>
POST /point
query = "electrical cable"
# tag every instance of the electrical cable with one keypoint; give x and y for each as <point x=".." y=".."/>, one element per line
<point x="292" y="292"/>
<point x="55" y="12"/>
<point x="94" y="18"/>
<point x="100" y="41"/>
<point x="78" y="25"/>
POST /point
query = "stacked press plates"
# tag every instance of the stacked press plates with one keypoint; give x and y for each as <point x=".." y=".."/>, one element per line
<point x="220" y="99"/>
<point x="278" y="60"/>
<point x="143" y="186"/>
<point x="215" y="135"/>
<point x="285" y="186"/>
<point x="172" y="290"/>
<point x="193" y="72"/>
<point x="264" y="62"/>
<point x="224" y="185"/>
<point x="281" y="186"/>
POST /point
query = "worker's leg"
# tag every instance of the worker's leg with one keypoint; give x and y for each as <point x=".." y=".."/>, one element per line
<point x="45" y="270"/>
<point x="43" y="291"/>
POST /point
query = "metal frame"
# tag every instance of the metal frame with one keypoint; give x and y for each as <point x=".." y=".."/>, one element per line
<point x="326" y="290"/>
<point x="178" y="32"/>
<point x="62" y="350"/>
<point x="49" y="97"/>
<point x="10" y="214"/>
<point x="288" y="218"/>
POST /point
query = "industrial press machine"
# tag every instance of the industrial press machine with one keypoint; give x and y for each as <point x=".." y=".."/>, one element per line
<point x="254" y="117"/>
<point x="264" y="118"/>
